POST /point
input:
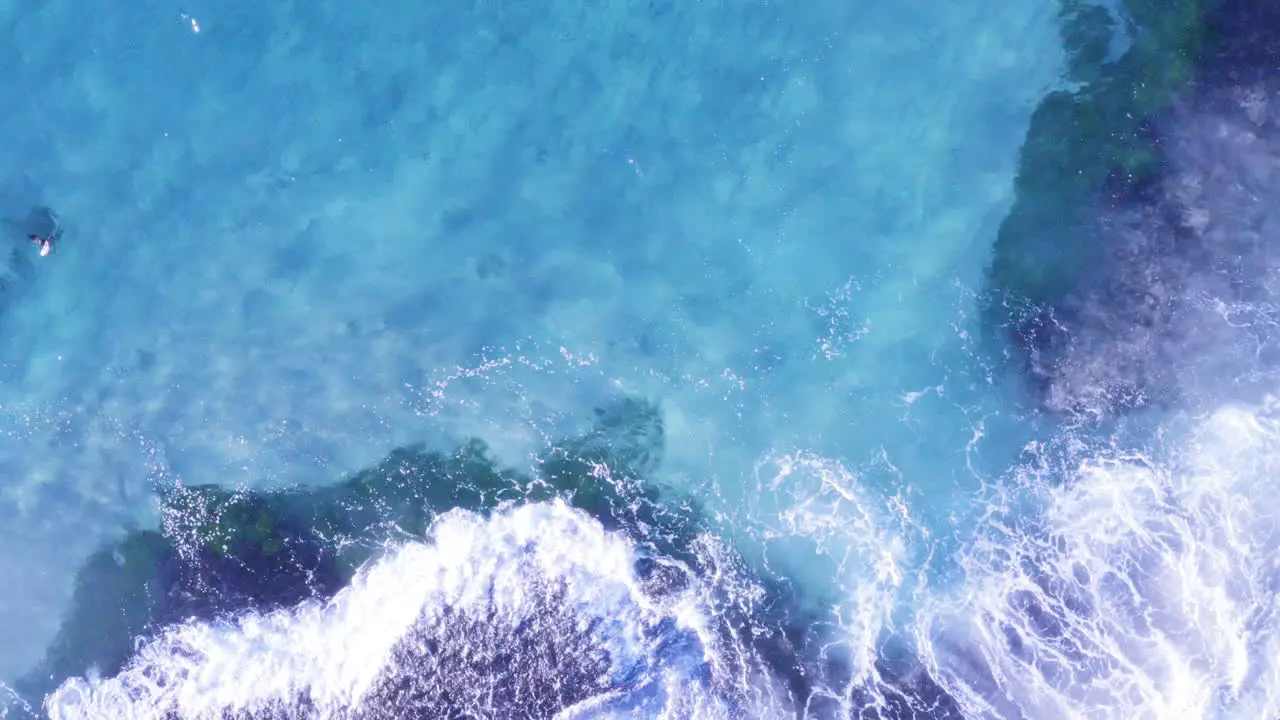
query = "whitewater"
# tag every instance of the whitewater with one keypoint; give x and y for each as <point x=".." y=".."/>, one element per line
<point x="626" y="359"/>
<point x="1143" y="588"/>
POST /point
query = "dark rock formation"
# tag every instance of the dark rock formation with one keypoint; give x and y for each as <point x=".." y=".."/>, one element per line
<point x="222" y="551"/>
<point x="1091" y="144"/>
<point x="1138" y="251"/>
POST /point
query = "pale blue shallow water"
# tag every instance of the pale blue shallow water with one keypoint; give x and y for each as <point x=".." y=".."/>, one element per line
<point x="300" y="234"/>
<point x="283" y="223"/>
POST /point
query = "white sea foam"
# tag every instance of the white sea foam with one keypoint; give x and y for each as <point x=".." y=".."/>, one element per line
<point x="537" y="607"/>
<point x="858" y="547"/>
<point x="1144" y="588"/>
<point x="1147" y="589"/>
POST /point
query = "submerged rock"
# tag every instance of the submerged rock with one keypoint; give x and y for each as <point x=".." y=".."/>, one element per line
<point x="1189" y="276"/>
<point x="221" y="554"/>
<point x="1140" y="237"/>
<point x="1091" y="144"/>
<point x="222" y="551"/>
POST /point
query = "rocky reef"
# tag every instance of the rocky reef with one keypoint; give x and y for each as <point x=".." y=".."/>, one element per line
<point x="1144" y="202"/>
<point x="222" y="551"/>
<point x="1092" y="142"/>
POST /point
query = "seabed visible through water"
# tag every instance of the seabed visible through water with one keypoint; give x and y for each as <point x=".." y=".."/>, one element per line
<point x="710" y="284"/>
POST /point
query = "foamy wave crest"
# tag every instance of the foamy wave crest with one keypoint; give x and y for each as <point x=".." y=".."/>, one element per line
<point x="536" y="612"/>
<point x="12" y="705"/>
<point x="825" y="504"/>
<point x="873" y="554"/>
<point x="1146" y="590"/>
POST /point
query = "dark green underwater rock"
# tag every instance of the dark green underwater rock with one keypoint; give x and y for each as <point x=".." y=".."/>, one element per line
<point x="1144" y="208"/>
<point x="222" y="551"/>
<point x="1090" y="144"/>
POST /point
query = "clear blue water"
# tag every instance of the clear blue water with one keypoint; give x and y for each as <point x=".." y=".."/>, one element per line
<point x="301" y="234"/>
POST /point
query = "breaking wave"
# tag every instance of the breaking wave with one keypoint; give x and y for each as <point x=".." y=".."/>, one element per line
<point x="536" y="611"/>
<point x="1146" y="588"/>
<point x="1127" y="576"/>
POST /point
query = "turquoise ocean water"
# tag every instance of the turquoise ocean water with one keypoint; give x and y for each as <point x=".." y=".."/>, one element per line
<point x="299" y="235"/>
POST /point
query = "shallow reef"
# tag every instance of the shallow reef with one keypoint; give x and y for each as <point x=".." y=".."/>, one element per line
<point x="223" y="551"/>
<point x="1098" y="264"/>
<point x="1092" y="142"/>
